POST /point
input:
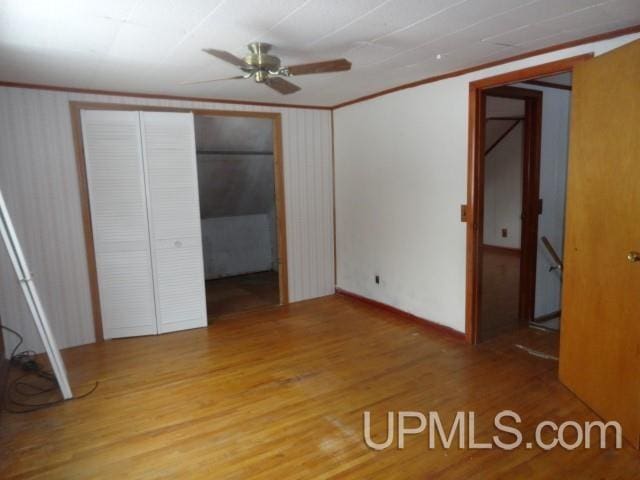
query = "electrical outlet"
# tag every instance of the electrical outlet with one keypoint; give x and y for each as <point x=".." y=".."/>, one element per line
<point x="377" y="279"/>
<point x="504" y="233"/>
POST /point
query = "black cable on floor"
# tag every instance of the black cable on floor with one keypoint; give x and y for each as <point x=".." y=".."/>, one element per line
<point x="26" y="362"/>
<point x="20" y="340"/>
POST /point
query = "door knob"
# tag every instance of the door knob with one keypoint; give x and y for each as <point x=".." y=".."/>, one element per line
<point x="633" y="257"/>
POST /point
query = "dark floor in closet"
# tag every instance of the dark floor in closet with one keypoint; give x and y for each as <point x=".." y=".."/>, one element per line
<point x="241" y="293"/>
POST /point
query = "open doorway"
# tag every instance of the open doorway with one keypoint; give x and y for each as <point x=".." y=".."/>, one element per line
<point x="556" y="109"/>
<point x="509" y="151"/>
<point x="510" y="208"/>
<point x="517" y="201"/>
<point x="242" y="214"/>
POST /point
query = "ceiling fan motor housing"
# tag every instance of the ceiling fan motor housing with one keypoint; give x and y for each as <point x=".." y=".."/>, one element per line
<point x="261" y="63"/>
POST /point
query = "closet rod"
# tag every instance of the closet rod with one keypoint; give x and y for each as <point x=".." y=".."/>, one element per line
<point x="231" y="152"/>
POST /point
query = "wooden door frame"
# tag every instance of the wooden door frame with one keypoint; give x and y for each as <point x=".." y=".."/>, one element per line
<point x="75" y="108"/>
<point x="475" y="187"/>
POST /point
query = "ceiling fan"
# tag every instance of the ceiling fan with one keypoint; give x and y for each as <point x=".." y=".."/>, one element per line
<point x="267" y="69"/>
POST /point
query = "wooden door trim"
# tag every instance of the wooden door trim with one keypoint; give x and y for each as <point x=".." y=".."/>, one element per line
<point x="543" y="83"/>
<point x="475" y="175"/>
<point x="75" y="108"/>
<point x="278" y="172"/>
<point x="83" y="189"/>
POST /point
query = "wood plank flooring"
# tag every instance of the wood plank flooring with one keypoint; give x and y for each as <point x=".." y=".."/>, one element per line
<point x="500" y="294"/>
<point x="280" y="394"/>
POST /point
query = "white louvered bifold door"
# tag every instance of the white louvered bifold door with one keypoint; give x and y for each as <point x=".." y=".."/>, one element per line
<point x="116" y="183"/>
<point x="174" y="217"/>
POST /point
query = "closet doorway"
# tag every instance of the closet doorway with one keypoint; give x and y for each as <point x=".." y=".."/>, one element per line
<point x="147" y="148"/>
<point x="241" y="212"/>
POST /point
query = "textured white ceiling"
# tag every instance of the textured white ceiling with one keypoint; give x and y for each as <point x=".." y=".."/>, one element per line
<point x="151" y="46"/>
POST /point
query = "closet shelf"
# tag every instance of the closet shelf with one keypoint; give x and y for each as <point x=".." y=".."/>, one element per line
<point x="231" y="152"/>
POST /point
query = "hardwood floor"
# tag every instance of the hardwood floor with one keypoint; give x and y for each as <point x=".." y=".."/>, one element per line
<point x="499" y="300"/>
<point x="241" y="293"/>
<point x="280" y="394"/>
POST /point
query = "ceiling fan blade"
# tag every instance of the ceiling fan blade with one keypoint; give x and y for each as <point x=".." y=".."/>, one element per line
<point x="226" y="56"/>
<point x="281" y="85"/>
<point x="237" y="77"/>
<point x="337" y="65"/>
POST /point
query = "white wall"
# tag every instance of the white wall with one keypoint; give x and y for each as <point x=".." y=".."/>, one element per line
<point x="401" y="176"/>
<point x="503" y="192"/>
<point x="503" y="174"/>
<point x="38" y="177"/>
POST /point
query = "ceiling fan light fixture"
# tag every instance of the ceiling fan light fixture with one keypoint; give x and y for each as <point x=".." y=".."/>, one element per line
<point x="267" y="69"/>
<point x="261" y="76"/>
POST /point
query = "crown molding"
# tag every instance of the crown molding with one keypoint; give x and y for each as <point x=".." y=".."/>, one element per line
<point x="561" y="46"/>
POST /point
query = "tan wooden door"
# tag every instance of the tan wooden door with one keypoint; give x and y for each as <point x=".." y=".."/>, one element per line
<point x="600" y="336"/>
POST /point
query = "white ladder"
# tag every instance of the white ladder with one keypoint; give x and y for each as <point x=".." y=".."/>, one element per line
<point x="16" y="255"/>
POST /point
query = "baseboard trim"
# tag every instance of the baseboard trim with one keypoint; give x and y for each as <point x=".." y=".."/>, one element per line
<point x="406" y="316"/>
<point x="497" y="249"/>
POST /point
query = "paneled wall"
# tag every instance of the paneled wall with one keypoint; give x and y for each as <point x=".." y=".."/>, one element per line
<point x="39" y="180"/>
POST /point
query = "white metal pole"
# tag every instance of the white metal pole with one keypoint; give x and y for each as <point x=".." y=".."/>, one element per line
<point x="19" y="262"/>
